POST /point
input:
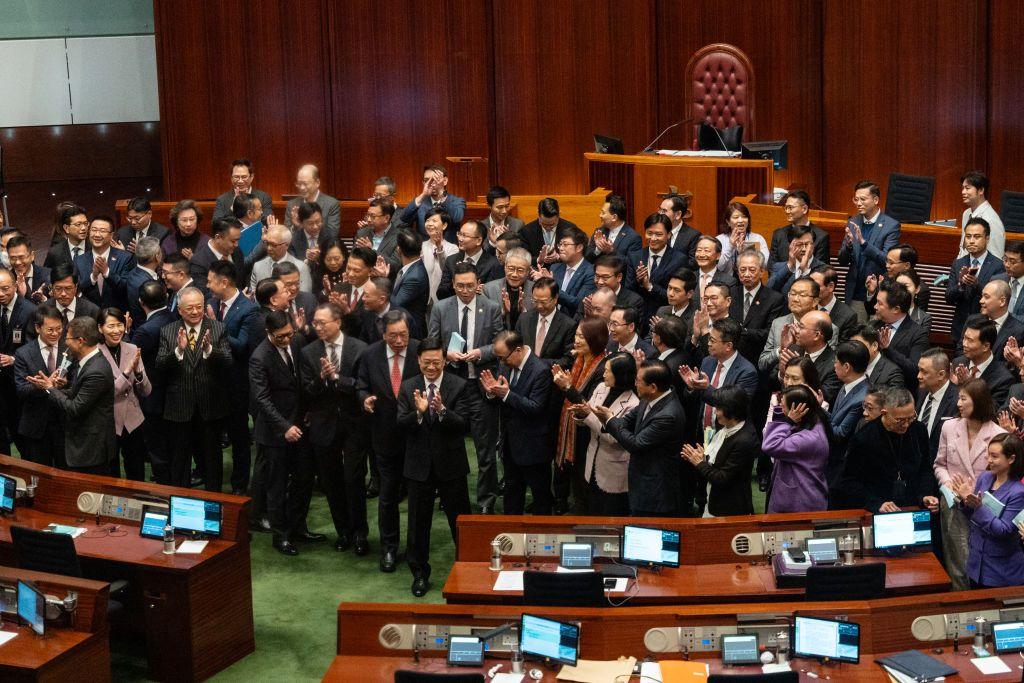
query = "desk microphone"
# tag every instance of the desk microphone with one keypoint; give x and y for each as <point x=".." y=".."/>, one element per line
<point x="650" y="144"/>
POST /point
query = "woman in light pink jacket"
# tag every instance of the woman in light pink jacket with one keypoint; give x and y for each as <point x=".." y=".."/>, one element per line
<point x="963" y="448"/>
<point x="130" y="382"/>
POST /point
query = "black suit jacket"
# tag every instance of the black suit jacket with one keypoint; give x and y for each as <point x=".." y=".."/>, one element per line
<point x="371" y="326"/>
<point x="146" y="336"/>
<point x="88" y="407"/>
<point x="873" y="460"/>
<point x="558" y="339"/>
<point x="946" y="409"/>
<point x="845" y="320"/>
<point x="60" y="254"/>
<point x="487" y="269"/>
<point x="730" y="475"/>
<point x="966" y="300"/>
<point x="532" y="234"/>
<point x="332" y="402"/>
<point x="436" y="445"/>
<point x="375" y="380"/>
<point x="276" y="393"/>
<point x="686" y="244"/>
<point x="653" y="442"/>
<point x="830" y="384"/>
<point x="204" y="257"/>
<point x="20" y="324"/>
<point x="670" y="262"/>
<point x="766" y="306"/>
<point x="522" y="411"/>
<point x="998" y="378"/>
<point x="779" y="248"/>
<point x="195" y="385"/>
<point x="126" y="233"/>
<point x="1011" y="328"/>
<point x="905" y="349"/>
<point x="412" y="292"/>
<point x="37" y="411"/>
<point x="886" y="374"/>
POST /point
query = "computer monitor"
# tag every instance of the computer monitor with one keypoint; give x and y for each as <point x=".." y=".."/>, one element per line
<point x="576" y="556"/>
<point x="1008" y="636"/>
<point x="554" y="640"/>
<point x="607" y="145"/>
<point x="153" y="522"/>
<point x="32" y="606"/>
<point x="192" y="515"/>
<point x="465" y="651"/>
<point x="650" y="547"/>
<point x="740" y="648"/>
<point x="826" y="639"/>
<point x="8" y="490"/>
<point x="822" y="550"/>
<point x="901" y="529"/>
<point x="776" y="150"/>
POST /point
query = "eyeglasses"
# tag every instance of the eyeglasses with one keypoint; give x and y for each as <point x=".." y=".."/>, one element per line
<point x="79" y="224"/>
<point x="901" y="420"/>
<point x="282" y="336"/>
<point x="800" y="295"/>
<point x="431" y="363"/>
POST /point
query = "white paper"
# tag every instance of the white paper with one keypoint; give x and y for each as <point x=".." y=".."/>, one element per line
<point x="990" y="665"/>
<point x="901" y="677"/>
<point x="5" y="636"/>
<point x="775" y="667"/>
<point x="456" y="342"/>
<point x="509" y="581"/>
<point x="652" y="670"/>
<point x="507" y="678"/>
<point x="563" y="570"/>
<point x="620" y="585"/>
<point x="192" y="547"/>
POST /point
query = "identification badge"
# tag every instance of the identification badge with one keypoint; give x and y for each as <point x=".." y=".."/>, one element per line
<point x="16" y="335"/>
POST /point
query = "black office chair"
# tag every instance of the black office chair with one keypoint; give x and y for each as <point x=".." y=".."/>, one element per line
<point x="43" y="551"/>
<point x="574" y="589"/>
<point x="402" y="676"/>
<point x="1011" y="210"/>
<point x="855" y="582"/>
<point x="909" y="197"/>
<point x="777" y="677"/>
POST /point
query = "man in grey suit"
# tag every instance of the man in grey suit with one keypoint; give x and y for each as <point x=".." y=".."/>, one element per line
<point x="476" y="320"/>
<point x="380" y="232"/>
<point x="242" y="177"/>
<point x="514" y="292"/>
<point x="278" y="239"/>
<point x="88" y="404"/>
<point x="498" y="221"/>
<point x="194" y="360"/>
<point x="307" y="182"/>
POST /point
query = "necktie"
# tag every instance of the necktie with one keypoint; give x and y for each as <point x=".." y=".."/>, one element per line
<point x="514" y="378"/>
<point x="840" y="398"/>
<point x="51" y="360"/>
<point x="191" y="339"/>
<point x="974" y="263"/>
<point x="67" y="316"/>
<point x="358" y="297"/>
<point x="76" y="252"/>
<point x="542" y="330"/>
<point x="396" y="374"/>
<point x="431" y="389"/>
<point x="747" y="299"/>
<point x="4" y="323"/>
<point x="704" y="279"/>
<point x="568" y="277"/>
<point x="464" y="328"/>
<point x="223" y="311"/>
<point x="926" y="414"/>
<point x="333" y="356"/>
<point x="974" y="371"/>
<point x="708" y="410"/>
<point x="288" y="360"/>
<point x="654" y="262"/>
<point x="99" y="283"/>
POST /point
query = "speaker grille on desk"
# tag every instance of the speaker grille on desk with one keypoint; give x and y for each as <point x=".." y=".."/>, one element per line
<point x="396" y="636"/>
<point x="89" y="503"/>
<point x="506" y="543"/>
<point x="661" y="639"/>
<point x="748" y="544"/>
<point x="929" y="628"/>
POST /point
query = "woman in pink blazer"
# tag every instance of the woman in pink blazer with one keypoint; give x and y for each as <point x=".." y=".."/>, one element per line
<point x="963" y="449"/>
<point x="130" y="382"/>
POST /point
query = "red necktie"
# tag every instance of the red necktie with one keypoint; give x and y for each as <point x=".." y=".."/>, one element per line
<point x="708" y="422"/>
<point x="396" y="375"/>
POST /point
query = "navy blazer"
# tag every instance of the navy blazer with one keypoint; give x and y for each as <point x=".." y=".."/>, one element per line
<point x="522" y="412"/>
<point x="996" y="376"/>
<point x="40" y="277"/>
<point x="22" y="319"/>
<point x="641" y="345"/>
<point x="966" y="300"/>
<point x="627" y="244"/>
<point x="412" y="293"/>
<point x="994" y="550"/>
<point x="781" y="277"/>
<point x="119" y="263"/>
<point x="454" y="206"/>
<point x="653" y="439"/>
<point x="1011" y="328"/>
<point x="146" y="335"/>
<point x="742" y="374"/>
<point x="126" y="233"/>
<point x="846" y="413"/>
<point x="570" y="299"/>
<point x="657" y="296"/>
<point x="37" y="412"/>
<point x="133" y="283"/>
<point x="868" y="258"/>
<point x="238" y="326"/>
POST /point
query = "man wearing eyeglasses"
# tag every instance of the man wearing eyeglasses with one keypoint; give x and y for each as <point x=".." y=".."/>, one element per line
<point x="75" y="228"/>
<point x="278" y="239"/>
<point x="514" y="291"/>
<point x="803" y="297"/>
<point x="140" y="224"/>
<point x="103" y="268"/>
<point x="379" y="231"/>
<point x="307" y="183"/>
<point x="242" y="177"/>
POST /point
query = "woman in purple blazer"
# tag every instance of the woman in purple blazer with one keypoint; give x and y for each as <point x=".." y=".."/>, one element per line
<point x="130" y="382"/>
<point x="185" y="237"/>
<point x="797" y="439"/>
<point x="994" y="554"/>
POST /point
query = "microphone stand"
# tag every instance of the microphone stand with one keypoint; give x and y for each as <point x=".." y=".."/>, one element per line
<point x="650" y="144"/>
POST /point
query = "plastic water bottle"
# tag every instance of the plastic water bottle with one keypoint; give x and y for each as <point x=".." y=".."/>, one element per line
<point x="168" y="540"/>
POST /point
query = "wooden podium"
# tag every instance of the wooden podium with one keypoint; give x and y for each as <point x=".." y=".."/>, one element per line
<point x="714" y="181"/>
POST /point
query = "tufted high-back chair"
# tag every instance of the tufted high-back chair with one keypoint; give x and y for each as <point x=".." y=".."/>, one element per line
<point x="720" y="89"/>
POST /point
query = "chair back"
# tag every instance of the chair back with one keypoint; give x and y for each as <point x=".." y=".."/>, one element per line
<point x="1011" y="210"/>
<point x="855" y="582"/>
<point x="573" y="589"/>
<point x="719" y="89"/>
<point x="43" y="551"/>
<point x="777" y="677"/>
<point x="403" y="676"/>
<point x="909" y="197"/>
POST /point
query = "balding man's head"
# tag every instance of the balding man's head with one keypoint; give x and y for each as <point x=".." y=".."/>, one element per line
<point x="814" y="331"/>
<point x="995" y="299"/>
<point x="602" y="302"/>
<point x="307" y="181"/>
<point x="191" y="305"/>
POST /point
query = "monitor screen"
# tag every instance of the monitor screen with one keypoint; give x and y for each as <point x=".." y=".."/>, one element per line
<point x="32" y="607"/>
<point x="643" y="545"/>
<point x="465" y="651"/>
<point x="552" y="639"/>
<point x="820" y="638"/>
<point x="153" y="523"/>
<point x="740" y="649"/>
<point x="822" y="550"/>
<point x="195" y="515"/>
<point x="577" y="556"/>
<point x="8" y="488"/>
<point x="898" y="529"/>
<point x="1008" y="636"/>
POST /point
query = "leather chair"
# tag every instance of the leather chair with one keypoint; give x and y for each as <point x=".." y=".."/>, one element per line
<point x="1011" y="210"/>
<point x="719" y="89"/>
<point x="909" y="197"/>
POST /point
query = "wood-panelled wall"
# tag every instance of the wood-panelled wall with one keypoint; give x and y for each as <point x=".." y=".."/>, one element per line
<point x="363" y="88"/>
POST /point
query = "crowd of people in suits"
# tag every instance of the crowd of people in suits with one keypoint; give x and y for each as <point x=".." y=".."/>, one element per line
<point x="650" y="372"/>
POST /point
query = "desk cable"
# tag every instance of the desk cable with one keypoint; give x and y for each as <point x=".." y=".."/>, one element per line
<point x="631" y="592"/>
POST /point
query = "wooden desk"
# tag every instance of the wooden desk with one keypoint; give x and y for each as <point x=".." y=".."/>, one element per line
<point x="714" y="181"/>
<point x="702" y="541"/>
<point x="196" y="609"/>
<point x="76" y="650"/>
<point x="472" y="582"/>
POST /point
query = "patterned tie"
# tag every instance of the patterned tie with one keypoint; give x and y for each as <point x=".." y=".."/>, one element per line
<point x="708" y="410"/>
<point x="223" y="311"/>
<point x="974" y="371"/>
<point x="51" y="360"/>
<point x="747" y="300"/>
<point x="542" y="330"/>
<point x="654" y="262"/>
<point x="975" y="263"/>
<point x="191" y="339"/>
<point x="67" y="316"/>
<point x="333" y="355"/>
<point x="396" y="374"/>
<point x="99" y="283"/>
<point x="431" y="391"/>
<point x="926" y="414"/>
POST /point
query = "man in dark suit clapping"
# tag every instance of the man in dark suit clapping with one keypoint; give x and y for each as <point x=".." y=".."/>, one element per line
<point x="433" y="410"/>
<point x="88" y="404"/>
<point x="195" y="362"/>
<point x="41" y="426"/>
<point x="146" y="336"/>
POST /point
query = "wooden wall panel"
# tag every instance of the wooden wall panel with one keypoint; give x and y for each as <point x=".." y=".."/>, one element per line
<point x="904" y="90"/>
<point x="562" y="72"/>
<point x="784" y="42"/>
<point x="1005" y="111"/>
